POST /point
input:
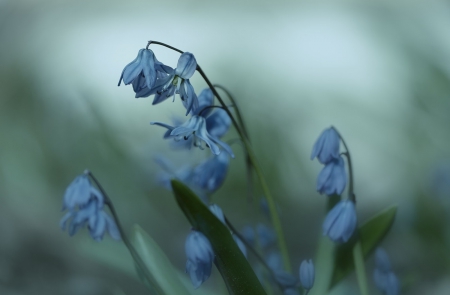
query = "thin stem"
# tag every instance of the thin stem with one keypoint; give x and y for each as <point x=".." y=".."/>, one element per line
<point x="254" y="252"/>
<point x="358" y="258"/>
<point x="252" y="158"/>
<point x="140" y="263"/>
<point x="209" y="107"/>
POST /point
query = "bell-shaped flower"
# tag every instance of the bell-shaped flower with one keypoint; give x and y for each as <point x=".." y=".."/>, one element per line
<point x="285" y="280"/>
<point x="340" y="222"/>
<point x="266" y="236"/>
<point x="307" y="274"/>
<point x="195" y="127"/>
<point x="90" y="213"/>
<point x="211" y="173"/>
<point x="176" y="82"/>
<point x="332" y="179"/>
<point x="205" y="101"/>
<point x="77" y="193"/>
<point x="274" y="260"/>
<point x="326" y="148"/>
<point x="200" y="256"/>
<point x="383" y="276"/>
<point x="141" y="71"/>
<point x="249" y="234"/>
<point x="382" y="261"/>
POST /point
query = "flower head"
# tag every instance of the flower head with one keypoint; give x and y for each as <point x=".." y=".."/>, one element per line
<point x="195" y="127"/>
<point x="200" y="256"/>
<point x="87" y="209"/>
<point x="175" y="82"/>
<point x="266" y="235"/>
<point x="326" y="148"/>
<point x="307" y="274"/>
<point x="340" y="222"/>
<point x="383" y="276"/>
<point x="210" y="174"/>
<point x="332" y="179"/>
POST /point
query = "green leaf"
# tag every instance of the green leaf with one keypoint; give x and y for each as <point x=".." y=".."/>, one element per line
<point x="232" y="264"/>
<point x="370" y="235"/>
<point x="164" y="276"/>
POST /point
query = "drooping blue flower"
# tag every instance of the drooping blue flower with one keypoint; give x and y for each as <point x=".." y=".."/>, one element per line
<point x="77" y="193"/>
<point x="87" y="211"/>
<point x="326" y="148"/>
<point x="211" y="173"/>
<point x="340" y="222"/>
<point x="249" y="234"/>
<point x="383" y="276"/>
<point x="205" y="101"/>
<point x="200" y="256"/>
<point x="284" y="279"/>
<point x="307" y="274"/>
<point x="176" y="82"/>
<point x="195" y="127"/>
<point x="274" y="260"/>
<point x="332" y="179"/>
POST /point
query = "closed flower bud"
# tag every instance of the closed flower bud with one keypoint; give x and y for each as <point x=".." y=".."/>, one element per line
<point x="200" y="256"/>
<point x="326" y="148"/>
<point x="186" y="66"/>
<point x="332" y="179"/>
<point x="340" y="222"/>
<point x="307" y="274"/>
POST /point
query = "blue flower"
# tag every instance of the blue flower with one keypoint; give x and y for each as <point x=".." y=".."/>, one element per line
<point x="307" y="274"/>
<point x="326" y="148"/>
<point x="249" y="234"/>
<point x="340" y="222"/>
<point x="143" y="71"/>
<point x="87" y="211"/>
<point x="175" y="82"/>
<point x="266" y="235"/>
<point x="200" y="256"/>
<point x="274" y="260"/>
<point x="383" y="276"/>
<point x="211" y="173"/>
<point x="284" y="279"/>
<point x="332" y="179"/>
<point x="195" y="127"/>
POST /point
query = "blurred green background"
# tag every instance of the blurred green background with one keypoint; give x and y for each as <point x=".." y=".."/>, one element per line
<point x="379" y="71"/>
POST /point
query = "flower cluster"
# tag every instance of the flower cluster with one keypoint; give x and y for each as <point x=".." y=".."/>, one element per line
<point x="383" y="276"/>
<point x="340" y="222"/>
<point x="85" y="207"/>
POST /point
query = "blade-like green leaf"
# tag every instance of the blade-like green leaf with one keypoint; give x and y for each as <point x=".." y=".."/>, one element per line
<point x="371" y="234"/>
<point x="232" y="264"/>
<point x="157" y="263"/>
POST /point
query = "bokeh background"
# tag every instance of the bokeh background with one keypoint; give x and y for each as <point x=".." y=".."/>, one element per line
<point x="379" y="71"/>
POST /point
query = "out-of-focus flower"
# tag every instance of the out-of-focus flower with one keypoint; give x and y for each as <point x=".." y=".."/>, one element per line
<point x="211" y="173"/>
<point x="200" y="256"/>
<point x="241" y="245"/>
<point x="85" y="204"/>
<point x="326" y="148"/>
<point x="307" y="274"/>
<point x="340" y="222"/>
<point x="249" y="234"/>
<point x="284" y="279"/>
<point x="217" y="211"/>
<point x="274" y="260"/>
<point x="332" y="179"/>
<point x="195" y="127"/>
<point x="290" y="292"/>
<point x="176" y="82"/>
<point x="385" y="279"/>
<point x="266" y="236"/>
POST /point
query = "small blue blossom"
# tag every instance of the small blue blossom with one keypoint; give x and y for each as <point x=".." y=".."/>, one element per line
<point x="326" y="148"/>
<point x="205" y="100"/>
<point x="200" y="256"/>
<point x="274" y="260"/>
<point x="307" y="274"/>
<point x="195" y="127"/>
<point x="340" y="222"/>
<point x="211" y="173"/>
<point x="143" y="71"/>
<point x="383" y="276"/>
<point x="176" y="82"/>
<point x="332" y="179"/>
<point x="87" y="211"/>
<point x="285" y="280"/>
<point x="249" y="234"/>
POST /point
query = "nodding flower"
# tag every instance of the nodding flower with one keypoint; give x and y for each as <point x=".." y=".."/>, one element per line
<point x="340" y="222"/>
<point x="326" y="148"/>
<point x="200" y="257"/>
<point x="332" y="179"/>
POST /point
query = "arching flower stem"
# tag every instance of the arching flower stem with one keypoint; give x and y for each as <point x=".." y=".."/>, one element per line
<point x="252" y="158"/>
<point x="140" y="263"/>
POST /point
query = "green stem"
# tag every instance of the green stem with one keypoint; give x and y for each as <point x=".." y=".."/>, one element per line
<point x="360" y="270"/>
<point x="252" y="158"/>
<point x="139" y="262"/>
